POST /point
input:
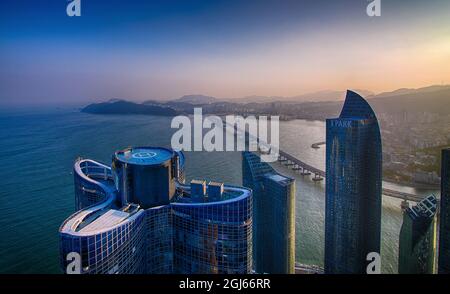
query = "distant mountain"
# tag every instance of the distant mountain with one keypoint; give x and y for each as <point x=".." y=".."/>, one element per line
<point x="434" y="99"/>
<point x="325" y="96"/>
<point x="152" y="102"/>
<point x="321" y="96"/>
<point x="256" y="99"/>
<point x="196" y="99"/>
<point x="405" y="91"/>
<point x="318" y="105"/>
<point x="125" y="107"/>
<point x="114" y="100"/>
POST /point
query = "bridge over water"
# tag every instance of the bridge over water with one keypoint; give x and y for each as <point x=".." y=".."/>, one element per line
<point x="296" y="164"/>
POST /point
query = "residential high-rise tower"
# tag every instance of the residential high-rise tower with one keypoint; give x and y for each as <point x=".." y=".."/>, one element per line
<point x="273" y="216"/>
<point x="139" y="217"/>
<point x="417" y="246"/>
<point x="353" y="187"/>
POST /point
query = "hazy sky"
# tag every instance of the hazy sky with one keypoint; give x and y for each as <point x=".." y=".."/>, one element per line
<point x="165" y="49"/>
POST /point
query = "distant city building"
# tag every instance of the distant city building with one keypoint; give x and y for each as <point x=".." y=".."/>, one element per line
<point x="273" y="216"/>
<point x="139" y="217"/>
<point x="444" y="227"/>
<point x="417" y="243"/>
<point x="353" y="187"/>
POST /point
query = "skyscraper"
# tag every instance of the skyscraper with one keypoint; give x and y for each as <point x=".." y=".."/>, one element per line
<point x="273" y="216"/>
<point x="138" y="217"/>
<point x="353" y="187"/>
<point x="444" y="226"/>
<point x="417" y="246"/>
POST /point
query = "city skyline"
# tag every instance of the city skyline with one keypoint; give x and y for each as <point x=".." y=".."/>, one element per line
<point x="153" y="50"/>
<point x="239" y="140"/>
<point x="272" y="183"/>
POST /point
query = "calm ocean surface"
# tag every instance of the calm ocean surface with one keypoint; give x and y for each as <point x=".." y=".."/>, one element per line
<point x="36" y="195"/>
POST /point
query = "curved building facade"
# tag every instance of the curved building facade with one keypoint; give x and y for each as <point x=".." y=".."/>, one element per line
<point x="145" y="176"/>
<point x="93" y="183"/>
<point x="214" y="237"/>
<point x="353" y="187"/>
<point x="139" y="217"/>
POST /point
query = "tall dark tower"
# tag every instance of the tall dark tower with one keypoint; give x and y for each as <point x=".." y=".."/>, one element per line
<point x="353" y="187"/>
<point x="444" y="227"/>
<point x="273" y="216"/>
<point x="417" y="248"/>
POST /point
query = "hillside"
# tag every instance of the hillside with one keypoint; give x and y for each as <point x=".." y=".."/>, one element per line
<point x="319" y="105"/>
<point x="426" y="100"/>
<point x="125" y="107"/>
<point x="196" y="99"/>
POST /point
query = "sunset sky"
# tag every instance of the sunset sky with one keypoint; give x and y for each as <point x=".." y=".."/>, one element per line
<point x="142" y="50"/>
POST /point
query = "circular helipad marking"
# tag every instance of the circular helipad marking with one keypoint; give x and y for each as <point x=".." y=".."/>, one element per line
<point x="144" y="154"/>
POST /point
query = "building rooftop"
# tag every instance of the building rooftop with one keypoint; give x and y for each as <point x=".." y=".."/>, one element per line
<point x="425" y="208"/>
<point x="198" y="182"/>
<point x="144" y="155"/>
<point x="216" y="184"/>
<point x="107" y="214"/>
<point x="229" y="193"/>
<point x="283" y="180"/>
<point x="356" y="106"/>
<point x="108" y="219"/>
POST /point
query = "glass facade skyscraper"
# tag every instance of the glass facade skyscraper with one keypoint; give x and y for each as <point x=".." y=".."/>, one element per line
<point x="139" y="217"/>
<point x="444" y="221"/>
<point x="273" y="216"/>
<point x="353" y="187"/>
<point x="417" y="244"/>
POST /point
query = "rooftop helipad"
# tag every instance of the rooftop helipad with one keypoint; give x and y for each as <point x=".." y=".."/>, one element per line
<point x="144" y="155"/>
